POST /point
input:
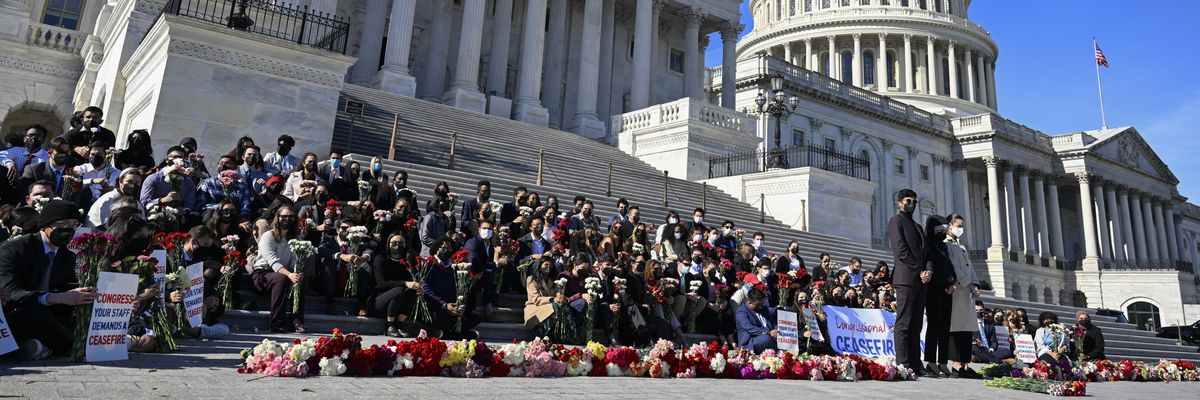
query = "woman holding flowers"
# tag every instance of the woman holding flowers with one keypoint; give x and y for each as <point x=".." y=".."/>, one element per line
<point x="1051" y="339"/>
<point x="542" y="298"/>
<point x="275" y="270"/>
<point x="396" y="290"/>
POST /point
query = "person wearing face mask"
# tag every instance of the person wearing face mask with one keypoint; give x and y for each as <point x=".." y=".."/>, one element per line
<point x="396" y="290"/>
<point x="306" y="171"/>
<point x="534" y="244"/>
<point x="434" y="226"/>
<point x="622" y="212"/>
<point x="97" y="175"/>
<point x="252" y="171"/>
<point x="282" y="161"/>
<point x="510" y="212"/>
<point x="374" y="173"/>
<point x="672" y="218"/>
<point x="51" y="170"/>
<point x="760" y="246"/>
<point x="481" y="248"/>
<point x="1093" y="340"/>
<point x="756" y="323"/>
<point x="275" y="270"/>
<point x="36" y="272"/>
<point x="673" y="246"/>
<point x="542" y="299"/>
<point x="89" y="131"/>
<point x="214" y="190"/>
<point x="910" y="278"/>
<point x="962" y="293"/>
<point x="128" y="184"/>
<point x="441" y="294"/>
<point x="585" y="217"/>
<point x="336" y="262"/>
<point x="470" y="208"/>
<point x="938" y="300"/>
<point x="28" y="153"/>
<point x="336" y="175"/>
<point x="387" y="195"/>
<point x="697" y="221"/>
<point x="157" y="188"/>
<point x="790" y="260"/>
<point x="138" y="153"/>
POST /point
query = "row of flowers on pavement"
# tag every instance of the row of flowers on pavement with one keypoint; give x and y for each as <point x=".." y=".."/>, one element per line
<point x="343" y="354"/>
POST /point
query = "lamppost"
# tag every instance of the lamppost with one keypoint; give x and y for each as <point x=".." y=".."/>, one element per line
<point x="779" y="107"/>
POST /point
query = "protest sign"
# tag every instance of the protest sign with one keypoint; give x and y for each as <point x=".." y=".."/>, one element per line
<point x="193" y="298"/>
<point x="7" y="342"/>
<point x="814" y="326"/>
<point x="863" y="332"/>
<point x="115" y="295"/>
<point x="1024" y="349"/>
<point x="789" y="335"/>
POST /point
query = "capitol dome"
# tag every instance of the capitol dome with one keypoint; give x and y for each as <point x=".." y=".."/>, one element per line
<point x="906" y="36"/>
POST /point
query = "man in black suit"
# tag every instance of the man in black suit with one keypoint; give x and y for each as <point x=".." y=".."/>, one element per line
<point x="697" y="223"/>
<point x="533" y="244"/>
<point x="483" y="194"/>
<point x="38" y="274"/>
<point x="387" y="196"/>
<point x="52" y="171"/>
<point x="984" y="344"/>
<point x="336" y="176"/>
<point x="910" y="277"/>
<point x="482" y="250"/>
<point x="89" y="130"/>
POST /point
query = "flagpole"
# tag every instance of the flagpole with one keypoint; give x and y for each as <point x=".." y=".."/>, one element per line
<point x="1099" y="86"/>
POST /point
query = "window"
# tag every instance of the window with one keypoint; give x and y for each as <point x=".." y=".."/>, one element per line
<point x="847" y="66"/>
<point x="1144" y="315"/>
<point x="891" y="70"/>
<point x="63" y="13"/>
<point x="830" y="143"/>
<point x="945" y="77"/>
<point x="868" y="68"/>
<point x="825" y="69"/>
<point x="675" y="62"/>
<point x="797" y="137"/>
<point x="899" y="166"/>
<point x="925" y="172"/>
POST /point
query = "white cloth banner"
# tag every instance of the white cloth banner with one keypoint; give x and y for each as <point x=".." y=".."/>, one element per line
<point x="814" y="326"/>
<point x="115" y="296"/>
<point x="789" y="334"/>
<point x="1024" y="350"/>
<point x="7" y="342"/>
<point x="863" y="332"/>
<point x="193" y="298"/>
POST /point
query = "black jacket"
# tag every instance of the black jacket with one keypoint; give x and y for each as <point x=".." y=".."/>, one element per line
<point x="22" y="263"/>
<point x="908" y="250"/>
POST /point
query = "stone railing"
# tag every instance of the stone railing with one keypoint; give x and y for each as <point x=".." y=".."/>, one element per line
<point x="685" y="110"/>
<point x="985" y="123"/>
<point x="857" y="12"/>
<point x="819" y="86"/>
<point x="55" y="38"/>
<point x="1078" y="139"/>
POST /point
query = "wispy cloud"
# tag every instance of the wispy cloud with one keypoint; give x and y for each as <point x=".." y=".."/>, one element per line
<point x="1172" y="134"/>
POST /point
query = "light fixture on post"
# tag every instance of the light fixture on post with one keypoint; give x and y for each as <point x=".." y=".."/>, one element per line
<point x="780" y="107"/>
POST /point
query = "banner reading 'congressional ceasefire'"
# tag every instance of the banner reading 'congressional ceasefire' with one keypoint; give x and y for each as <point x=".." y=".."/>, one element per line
<point x="863" y="332"/>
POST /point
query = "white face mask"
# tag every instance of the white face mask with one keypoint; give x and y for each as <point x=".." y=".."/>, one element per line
<point x="485" y="233"/>
<point x="957" y="232"/>
<point x="763" y="274"/>
<point x="757" y="243"/>
<point x="727" y="231"/>
<point x="678" y="236"/>
<point x="673" y="220"/>
<point x="697" y="238"/>
<point x="699" y="220"/>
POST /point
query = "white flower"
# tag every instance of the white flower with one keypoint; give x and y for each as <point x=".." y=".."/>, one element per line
<point x="495" y="206"/>
<point x="403" y="361"/>
<point x="525" y="211"/>
<point x="267" y="346"/>
<point x="514" y="353"/>
<point x="332" y="366"/>
<point x="613" y="370"/>
<point x="717" y="364"/>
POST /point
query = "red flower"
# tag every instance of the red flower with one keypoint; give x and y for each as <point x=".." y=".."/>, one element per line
<point x="460" y="256"/>
<point x="410" y="224"/>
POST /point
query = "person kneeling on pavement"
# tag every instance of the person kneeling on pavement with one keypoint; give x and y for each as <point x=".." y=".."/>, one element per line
<point x="756" y="324"/>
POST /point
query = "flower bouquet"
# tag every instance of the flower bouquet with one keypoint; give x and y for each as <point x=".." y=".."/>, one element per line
<point x="167" y="217"/>
<point x="72" y="183"/>
<point x="1069" y="388"/>
<point x="506" y="247"/>
<point x="564" y="324"/>
<point x="143" y="267"/>
<point x="333" y="209"/>
<point x="693" y="289"/>
<point x="618" y="291"/>
<point x="233" y="260"/>
<point x="464" y="281"/>
<point x="592" y="285"/>
<point x="364" y="190"/>
<point x="357" y="235"/>
<point x="420" y="269"/>
<point x="1077" y="336"/>
<point x="173" y="244"/>
<point x="302" y="250"/>
<point x="381" y="217"/>
<point x="667" y="288"/>
<point x="181" y="282"/>
<point x="228" y="178"/>
<point x="95" y="251"/>
<point x="784" y="285"/>
<point x="174" y="172"/>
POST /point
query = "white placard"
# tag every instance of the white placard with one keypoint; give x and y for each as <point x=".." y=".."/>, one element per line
<point x="193" y="298"/>
<point x="7" y="342"/>
<point x="814" y="326"/>
<point x="160" y="273"/>
<point x="789" y="334"/>
<point x="115" y="295"/>
<point x="1025" y="350"/>
<point x="1002" y="339"/>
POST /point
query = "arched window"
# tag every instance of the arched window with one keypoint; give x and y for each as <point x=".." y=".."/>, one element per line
<point x="1016" y="291"/>
<point x="962" y="81"/>
<point x="1144" y="315"/>
<point x="1031" y="294"/>
<point x="1047" y="296"/>
<point x="825" y="68"/>
<point x="891" y="70"/>
<point x="868" y="68"/>
<point x="847" y="65"/>
<point x="946" y="78"/>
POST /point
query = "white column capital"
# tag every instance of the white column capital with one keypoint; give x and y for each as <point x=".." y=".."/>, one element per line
<point x="731" y="30"/>
<point x="692" y="16"/>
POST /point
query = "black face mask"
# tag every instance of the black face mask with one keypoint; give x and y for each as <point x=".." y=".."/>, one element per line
<point x="200" y="253"/>
<point x="97" y="160"/>
<point x="33" y="144"/>
<point x="310" y="166"/>
<point x="1085" y="322"/>
<point x="396" y="248"/>
<point x="979" y="314"/>
<point x="133" y="247"/>
<point x="226" y="217"/>
<point x="61" y="237"/>
<point x="227" y="167"/>
<point x="131" y="190"/>
<point x="60" y="159"/>
<point x="287" y="223"/>
<point x="275" y="188"/>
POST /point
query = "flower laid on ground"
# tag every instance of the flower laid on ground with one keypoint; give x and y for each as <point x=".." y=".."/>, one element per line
<point x="1069" y="388"/>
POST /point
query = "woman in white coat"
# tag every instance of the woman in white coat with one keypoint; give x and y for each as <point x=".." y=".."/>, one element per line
<point x="963" y="322"/>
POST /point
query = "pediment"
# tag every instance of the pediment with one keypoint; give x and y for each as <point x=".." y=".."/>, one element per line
<point x="1128" y="148"/>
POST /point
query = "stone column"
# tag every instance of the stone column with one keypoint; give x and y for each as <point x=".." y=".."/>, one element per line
<point x="693" y="65"/>
<point x="433" y="81"/>
<point x="1139" y="229"/>
<point x="856" y="64"/>
<point x="1087" y="216"/>
<point x="982" y="93"/>
<point x="1150" y="230"/>
<point x="729" y="35"/>
<point x="1114" y="213"/>
<point x="990" y="68"/>
<point x="808" y="61"/>
<point x="1026" y="212"/>
<point x="908" y="64"/>
<point x="933" y="82"/>
<point x="1043" y="227"/>
<point x="994" y="201"/>
<point x="529" y="81"/>
<point x="497" y="76"/>
<point x="1131" y="253"/>
<point x="464" y="92"/>
<point x="1172" y="233"/>
<point x="787" y="46"/>
<point x="1101" y="219"/>
<point x="952" y="62"/>
<point x="1161" y="232"/>
<point x="657" y="61"/>
<point x="1013" y="223"/>
<point x="962" y="197"/>
<point x="374" y="27"/>
<point x="585" y="121"/>
<point x="556" y="58"/>
<point x="1056" y="241"/>
<point x="643" y="38"/>
<point x="970" y="75"/>
<point x="394" y="76"/>
<point x="607" y="49"/>
<point x="881" y="65"/>
<point x="834" y="71"/>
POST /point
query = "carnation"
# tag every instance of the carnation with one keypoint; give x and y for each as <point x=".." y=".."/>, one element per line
<point x="332" y="366"/>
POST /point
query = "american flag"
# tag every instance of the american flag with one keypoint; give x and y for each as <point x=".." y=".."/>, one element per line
<point x="1101" y="60"/>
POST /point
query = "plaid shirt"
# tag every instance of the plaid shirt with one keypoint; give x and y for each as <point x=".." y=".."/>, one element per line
<point x="211" y="192"/>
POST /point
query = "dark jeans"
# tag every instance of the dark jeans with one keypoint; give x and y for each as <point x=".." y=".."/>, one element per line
<point x="279" y="286"/>
<point x="487" y="285"/>
<point x="396" y="301"/>
<point x="50" y="325"/>
<point x="910" y="302"/>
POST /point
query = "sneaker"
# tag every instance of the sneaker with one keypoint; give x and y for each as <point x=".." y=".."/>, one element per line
<point x="405" y="329"/>
<point x="32" y="349"/>
<point x="214" y="331"/>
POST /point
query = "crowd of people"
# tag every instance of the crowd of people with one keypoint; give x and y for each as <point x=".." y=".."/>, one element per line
<point x="319" y="227"/>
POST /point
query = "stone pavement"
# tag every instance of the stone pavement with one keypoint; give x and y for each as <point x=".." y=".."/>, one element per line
<point x="208" y="370"/>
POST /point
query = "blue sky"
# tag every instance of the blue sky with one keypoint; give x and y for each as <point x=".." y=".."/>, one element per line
<point x="1046" y="78"/>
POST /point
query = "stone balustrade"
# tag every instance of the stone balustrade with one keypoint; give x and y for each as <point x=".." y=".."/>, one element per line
<point x="685" y="110"/>
<point x="985" y="123"/>
<point x="55" y="38"/>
